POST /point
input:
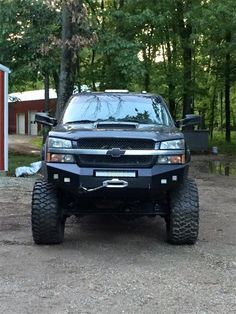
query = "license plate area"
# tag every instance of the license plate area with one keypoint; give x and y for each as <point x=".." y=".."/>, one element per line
<point x="115" y="174"/>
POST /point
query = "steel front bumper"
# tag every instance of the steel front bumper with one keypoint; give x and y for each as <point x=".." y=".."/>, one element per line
<point x="81" y="180"/>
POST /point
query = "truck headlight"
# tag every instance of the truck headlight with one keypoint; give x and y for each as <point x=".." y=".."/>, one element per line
<point x="54" y="142"/>
<point x="174" y="144"/>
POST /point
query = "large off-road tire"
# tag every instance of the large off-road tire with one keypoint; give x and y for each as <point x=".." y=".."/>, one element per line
<point x="182" y="224"/>
<point x="48" y="224"/>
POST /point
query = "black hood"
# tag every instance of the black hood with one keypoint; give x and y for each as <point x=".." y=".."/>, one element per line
<point x="115" y="130"/>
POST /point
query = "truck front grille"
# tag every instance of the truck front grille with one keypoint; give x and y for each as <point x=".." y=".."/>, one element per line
<point x="108" y="143"/>
<point x="114" y="162"/>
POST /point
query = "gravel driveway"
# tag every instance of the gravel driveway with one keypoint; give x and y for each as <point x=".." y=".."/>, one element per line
<point x="106" y="266"/>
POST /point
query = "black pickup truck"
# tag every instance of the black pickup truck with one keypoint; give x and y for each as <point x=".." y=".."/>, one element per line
<point x="116" y="153"/>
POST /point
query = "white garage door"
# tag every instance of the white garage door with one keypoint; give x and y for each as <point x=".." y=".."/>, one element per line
<point x="20" y="123"/>
<point x="33" y="126"/>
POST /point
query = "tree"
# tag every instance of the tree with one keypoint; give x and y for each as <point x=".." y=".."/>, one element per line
<point x="25" y="30"/>
<point x="220" y="25"/>
<point x="75" y="35"/>
<point x="184" y="50"/>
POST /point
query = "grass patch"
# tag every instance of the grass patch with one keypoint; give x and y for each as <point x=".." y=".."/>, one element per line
<point x="37" y="142"/>
<point x="224" y="147"/>
<point x="18" y="160"/>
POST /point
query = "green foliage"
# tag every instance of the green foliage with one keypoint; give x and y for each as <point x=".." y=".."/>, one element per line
<point x="223" y="147"/>
<point x="37" y="142"/>
<point x="26" y="30"/>
<point x="141" y="45"/>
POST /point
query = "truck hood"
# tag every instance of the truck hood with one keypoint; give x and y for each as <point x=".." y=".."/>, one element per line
<point x="139" y="131"/>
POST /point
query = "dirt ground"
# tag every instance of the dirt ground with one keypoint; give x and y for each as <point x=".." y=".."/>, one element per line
<point x="105" y="266"/>
<point x="21" y="144"/>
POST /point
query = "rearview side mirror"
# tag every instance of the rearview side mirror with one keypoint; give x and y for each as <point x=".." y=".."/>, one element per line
<point x="190" y="119"/>
<point x="45" y="119"/>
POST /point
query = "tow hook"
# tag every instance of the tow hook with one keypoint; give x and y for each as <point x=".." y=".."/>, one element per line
<point x="113" y="183"/>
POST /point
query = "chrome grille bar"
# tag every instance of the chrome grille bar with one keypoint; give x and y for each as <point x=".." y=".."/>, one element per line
<point x="133" y="152"/>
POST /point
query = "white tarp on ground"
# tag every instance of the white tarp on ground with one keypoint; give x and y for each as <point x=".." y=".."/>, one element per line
<point x="32" y="169"/>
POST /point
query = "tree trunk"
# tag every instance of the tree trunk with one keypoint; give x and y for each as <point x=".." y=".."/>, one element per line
<point x="146" y="74"/>
<point x="221" y="110"/>
<point x="146" y="80"/>
<point x="212" y="114"/>
<point x="171" y="86"/>
<point x="92" y="66"/>
<point x="227" y="91"/>
<point x="46" y="92"/>
<point x="185" y="31"/>
<point x="187" y="77"/>
<point x="46" y="102"/>
<point x="66" y="79"/>
<point x="55" y="75"/>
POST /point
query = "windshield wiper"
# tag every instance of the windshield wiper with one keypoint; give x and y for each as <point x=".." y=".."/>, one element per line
<point x="89" y="121"/>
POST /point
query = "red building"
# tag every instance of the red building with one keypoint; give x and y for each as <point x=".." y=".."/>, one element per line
<point x="22" y="110"/>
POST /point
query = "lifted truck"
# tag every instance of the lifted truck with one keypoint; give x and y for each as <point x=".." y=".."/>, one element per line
<point x="116" y="153"/>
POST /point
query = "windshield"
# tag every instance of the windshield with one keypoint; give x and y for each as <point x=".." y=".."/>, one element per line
<point x="116" y="108"/>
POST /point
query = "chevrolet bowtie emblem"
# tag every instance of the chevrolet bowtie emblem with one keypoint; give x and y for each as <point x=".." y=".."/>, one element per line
<point x="116" y="152"/>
